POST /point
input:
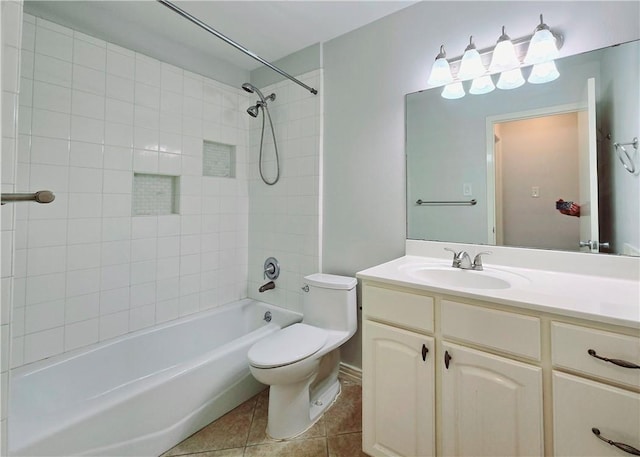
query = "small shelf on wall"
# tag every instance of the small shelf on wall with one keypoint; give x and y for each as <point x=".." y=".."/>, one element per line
<point x="155" y="195"/>
<point x="218" y="159"/>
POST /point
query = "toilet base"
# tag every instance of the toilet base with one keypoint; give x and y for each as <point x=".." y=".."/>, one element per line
<point x="291" y="415"/>
<point x="325" y="400"/>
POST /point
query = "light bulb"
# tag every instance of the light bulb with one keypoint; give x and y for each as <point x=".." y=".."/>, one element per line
<point x="504" y="55"/>
<point x="453" y="91"/>
<point x="543" y="73"/>
<point x="482" y="85"/>
<point x="471" y="65"/>
<point x="510" y="79"/>
<point x="542" y="46"/>
<point x="440" y="71"/>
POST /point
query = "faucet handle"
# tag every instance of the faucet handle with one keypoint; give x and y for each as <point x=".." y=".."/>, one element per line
<point x="456" y="258"/>
<point x="477" y="260"/>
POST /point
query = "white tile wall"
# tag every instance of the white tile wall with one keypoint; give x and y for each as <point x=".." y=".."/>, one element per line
<point x="91" y="115"/>
<point x="11" y="30"/>
<point x="285" y="218"/>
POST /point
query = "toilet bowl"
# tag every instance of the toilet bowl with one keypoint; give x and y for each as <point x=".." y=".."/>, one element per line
<point x="300" y="363"/>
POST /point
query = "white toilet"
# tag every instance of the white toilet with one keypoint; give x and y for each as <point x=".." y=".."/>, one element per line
<point x="300" y="362"/>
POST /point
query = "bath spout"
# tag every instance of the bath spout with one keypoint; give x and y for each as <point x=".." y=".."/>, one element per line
<point x="268" y="286"/>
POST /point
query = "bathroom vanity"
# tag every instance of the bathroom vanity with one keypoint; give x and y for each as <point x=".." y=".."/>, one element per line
<point x="522" y="361"/>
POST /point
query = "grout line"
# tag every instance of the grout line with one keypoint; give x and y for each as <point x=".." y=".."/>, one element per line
<point x="253" y="415"/>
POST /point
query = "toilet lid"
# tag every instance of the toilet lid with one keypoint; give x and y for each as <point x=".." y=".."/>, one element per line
<point x="287" y="346"/>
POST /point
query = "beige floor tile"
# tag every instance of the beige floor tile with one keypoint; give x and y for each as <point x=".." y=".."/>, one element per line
<point x="315" y="447"/>
<point x="349" y="445"/>
<point x="230" y="431"/>
<point x="345" y="416"/>
<point x="336" y="434"/>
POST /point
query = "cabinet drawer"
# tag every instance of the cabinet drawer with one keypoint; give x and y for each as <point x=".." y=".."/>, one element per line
<point x="571" y="345"/>
<point x="507" y="332"/>
<point x="406" y="309"/>
<point x="579" y="405"/>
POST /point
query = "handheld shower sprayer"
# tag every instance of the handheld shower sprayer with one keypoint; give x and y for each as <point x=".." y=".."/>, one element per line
<point x="253" y="89"/>
<point x="253" y="112"/>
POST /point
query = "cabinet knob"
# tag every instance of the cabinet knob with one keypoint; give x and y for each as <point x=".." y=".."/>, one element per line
<point x="447" y="359"/>
<point x="425" y="350"/>
<point x="623" y="447"/>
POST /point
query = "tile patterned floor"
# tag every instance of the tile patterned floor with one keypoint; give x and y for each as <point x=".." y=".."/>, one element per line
<point x="242" y="432"/>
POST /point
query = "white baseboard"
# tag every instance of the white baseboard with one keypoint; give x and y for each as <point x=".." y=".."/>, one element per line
<point x="350" y="373"/>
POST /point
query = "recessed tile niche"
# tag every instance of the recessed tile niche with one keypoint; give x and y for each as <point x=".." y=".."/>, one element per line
<point x="218" y="159"/>
<point x="155" y="195"/>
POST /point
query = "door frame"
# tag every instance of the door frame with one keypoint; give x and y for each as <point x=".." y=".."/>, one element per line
<point x="492" y="209"/>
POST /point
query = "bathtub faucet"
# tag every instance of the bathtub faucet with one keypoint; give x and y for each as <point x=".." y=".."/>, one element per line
<point x="268" y="286"/>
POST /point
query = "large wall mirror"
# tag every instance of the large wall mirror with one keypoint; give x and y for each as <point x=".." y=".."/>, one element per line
<point x="535" y="166"/>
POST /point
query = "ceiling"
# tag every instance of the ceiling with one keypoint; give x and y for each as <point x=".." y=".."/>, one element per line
<point x="270" y="29"/>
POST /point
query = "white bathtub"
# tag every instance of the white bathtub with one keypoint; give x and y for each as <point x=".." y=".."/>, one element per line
<point x="144" y="392"/>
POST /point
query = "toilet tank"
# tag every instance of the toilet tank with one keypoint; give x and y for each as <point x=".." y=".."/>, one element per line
<point x="330" y="302"/>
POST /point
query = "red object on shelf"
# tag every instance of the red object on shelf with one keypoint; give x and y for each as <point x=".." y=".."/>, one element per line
<point x="568" y="208"/>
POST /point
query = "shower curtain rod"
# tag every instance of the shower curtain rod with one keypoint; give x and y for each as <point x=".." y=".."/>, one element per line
<point x="228" y="40"/>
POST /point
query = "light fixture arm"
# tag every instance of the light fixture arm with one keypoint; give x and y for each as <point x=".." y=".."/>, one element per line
<point x="541" y="26"/>
<point x="504" y="36"/>
<point x="471" y="45"/>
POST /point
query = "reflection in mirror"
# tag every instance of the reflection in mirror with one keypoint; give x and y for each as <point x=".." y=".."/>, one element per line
<point x="539" y="161"/>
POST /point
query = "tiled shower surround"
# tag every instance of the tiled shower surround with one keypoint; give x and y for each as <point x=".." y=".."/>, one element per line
<point x="285" y="218"/>
<point x="91" y="115"/>
<point x="10" y="25"/>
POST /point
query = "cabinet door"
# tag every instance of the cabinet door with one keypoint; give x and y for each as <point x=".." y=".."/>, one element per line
<point x="491" y="406"/>
<point x="581" y="405"/>
<point x="397" y="392"/>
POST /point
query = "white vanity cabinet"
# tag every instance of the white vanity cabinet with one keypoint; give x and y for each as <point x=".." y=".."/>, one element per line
<point x="398" y="391"/>
<point x="495" y="379"/>
<point x="589" y="414"/>
<point x="490" y="406"/>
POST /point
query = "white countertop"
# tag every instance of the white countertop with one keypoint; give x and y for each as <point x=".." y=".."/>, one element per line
<point x="597" y="298"/>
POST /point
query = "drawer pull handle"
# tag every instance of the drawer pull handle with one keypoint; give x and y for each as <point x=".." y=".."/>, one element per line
<point x="624" y="447"/>
<point x="447" y="359"/>
<point x="425" y="350"/>
<point x="620" y="363"/>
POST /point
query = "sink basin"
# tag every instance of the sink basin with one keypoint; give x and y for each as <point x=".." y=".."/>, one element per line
<point x="466" y="279"/>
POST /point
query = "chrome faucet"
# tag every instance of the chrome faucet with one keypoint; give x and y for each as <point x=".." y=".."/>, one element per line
<point x="462" y="260"/>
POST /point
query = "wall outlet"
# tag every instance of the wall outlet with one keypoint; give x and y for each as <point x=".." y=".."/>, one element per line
<point x="466" y="189"/>
<point x="535" y="192"/>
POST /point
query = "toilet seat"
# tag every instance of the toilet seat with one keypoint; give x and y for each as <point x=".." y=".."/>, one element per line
<point x="289" y="345"/>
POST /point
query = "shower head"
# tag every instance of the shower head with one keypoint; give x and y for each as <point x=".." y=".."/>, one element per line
<point x="253" y="110"/>
<point x="253" y="89"/>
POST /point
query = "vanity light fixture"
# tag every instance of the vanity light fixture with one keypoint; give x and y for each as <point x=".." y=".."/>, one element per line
<point x="453" y="91"/>
<point x="440" y="71"/>
<point x="542" y="47"/>
<point x="510" y="79"/>
<point x="543" y="73"/>
<point x="504" y="55"/>
<point x="482" y="85"/>
<point x="507" y="58"/>
<point x="471" y="65"/>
